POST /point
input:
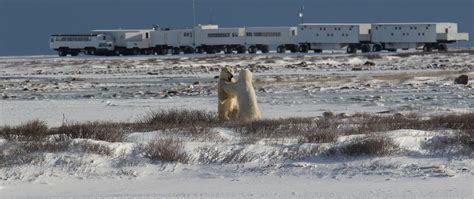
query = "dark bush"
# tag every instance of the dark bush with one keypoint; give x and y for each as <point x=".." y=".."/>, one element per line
<point x="89" y="147"/>
<point x="194" y="120"/>
<point x="33" y="130"/>
<point x="105" y="131"/>
<point x="320" y="136"/>
<point x="368" y="146"/>
<point x="168" y="150"/>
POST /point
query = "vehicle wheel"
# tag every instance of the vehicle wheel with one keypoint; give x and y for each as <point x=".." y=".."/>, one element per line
<point x="241" y="49"/>
<point x="189" y="50"/>
<point x="92" y="52"/>
<point x="294" y="49"/>
<point x="211" y="51"/>
<point x="281" y="49"/>
<point x="252" y="50"/>
<point x="351" y="49"/>
<point x="265" y="49"/>
<point x="377" y="48"/>
<point x="175" y="51"/>
<point x="62" y="53"/>
<point x="443" y="47"/>
<point x="228" y="50"/>
<point x="365" y="48"/>
<point x="117" y="52"/>
<point x="199" y="50"/>
<point x="135" y="51"/>
<point x="163" y="51"/>
<point x="304" y="48"/>
<point x="74" y="54"/>
<point x="428" y="48"/>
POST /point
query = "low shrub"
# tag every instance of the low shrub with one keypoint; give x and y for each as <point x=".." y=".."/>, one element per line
<point x="30" y="131"/>
<point x="96" y="148"/>
<point x="367" y="146"/>
<point x="194" y="121"/>
<point x="105" y="131"/>
<point x="168" y="150"/>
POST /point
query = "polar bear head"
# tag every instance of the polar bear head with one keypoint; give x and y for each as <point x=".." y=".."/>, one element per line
<point x="227" y="73"/>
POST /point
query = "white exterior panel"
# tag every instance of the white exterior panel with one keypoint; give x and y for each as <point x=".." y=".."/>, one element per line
<point x="270" y="35"/>
<point x="333" y="33"/>
<point x="213" y="35"/>
<point x="415" y="32"/>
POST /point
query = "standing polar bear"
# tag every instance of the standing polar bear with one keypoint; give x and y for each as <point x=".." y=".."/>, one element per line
<point x="227" y="103"/>
<point x="246" y="97"/>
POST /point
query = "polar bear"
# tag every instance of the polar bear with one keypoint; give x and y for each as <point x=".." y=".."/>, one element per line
<point x="246" y="97"/>
<point x="227" y="104"/>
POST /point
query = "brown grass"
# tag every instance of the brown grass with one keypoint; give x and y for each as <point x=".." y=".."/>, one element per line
<point x="33" y="130"/>
<point x="105" y="131"/>
<point x="369" y="146"/>
<point x="168" y="150"/>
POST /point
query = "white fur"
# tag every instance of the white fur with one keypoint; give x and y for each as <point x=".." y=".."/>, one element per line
<point x="227" y="103"/>
<point x="246" y="97"/>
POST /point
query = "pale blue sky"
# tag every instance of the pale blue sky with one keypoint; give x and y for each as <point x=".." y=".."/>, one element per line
<point x="25" y="25"/>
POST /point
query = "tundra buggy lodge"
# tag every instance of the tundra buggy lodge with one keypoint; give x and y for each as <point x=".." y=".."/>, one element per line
<point x="303" y="38"/>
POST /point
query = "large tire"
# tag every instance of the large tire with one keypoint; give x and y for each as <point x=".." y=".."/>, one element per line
<point x="294" y="49"/>
<point x="189" y="50"/>
<point x="117" y="52"/>
<point x="62" y="52"/>
<point x="91" y="51"/>
<point x="365" y="48"/>
<point x="199" y="50"/>
<point x="351" y="49"/>
<point x="175" y="51"/>
<point x="241" y="49"/>
<point x="74" y="54"/>
<point x="135" y="51"/>
<point x="427" y="48"/>
<point x="377" y="48"/>
<point x="252" y="50"/>
<point x="281" y="49"/>
<point x="443" y="47"/>
<point x="304" y="48"/>
<point x="265" y="49"/>
<point x="228" y="50"/>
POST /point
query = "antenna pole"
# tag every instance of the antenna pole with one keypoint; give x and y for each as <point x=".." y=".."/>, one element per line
<point x="210" y="15"/>
<point x="301" y="15"/>
<point x="194" y="13"/>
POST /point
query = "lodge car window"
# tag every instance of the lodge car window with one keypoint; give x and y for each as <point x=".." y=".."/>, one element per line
<point x="267" y="34"/>
<point x="218" y="35"/>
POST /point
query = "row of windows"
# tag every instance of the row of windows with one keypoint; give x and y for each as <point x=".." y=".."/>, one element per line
<point x="222" y="34"/>
<point x="188" y="34"/>
<point x="264" y="34"/>
<point x="400" y="27"/>
<point x="408" y="34"/>
<point x="73" y="39"/>
<point x="332" y="35"/>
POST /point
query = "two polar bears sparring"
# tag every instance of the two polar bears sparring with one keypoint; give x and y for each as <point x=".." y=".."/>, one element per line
<point x="232" y="94"/>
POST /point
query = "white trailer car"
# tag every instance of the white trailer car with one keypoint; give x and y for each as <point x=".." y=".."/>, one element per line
<point x="212" y="39"/>
<point x="429" y="36"/>
<point x="261" y="38"/>
<point x="91" y="44"/>
<point x="130" y="41"/>
<point x="177" y="41"/>
<point x="319" y="37"/>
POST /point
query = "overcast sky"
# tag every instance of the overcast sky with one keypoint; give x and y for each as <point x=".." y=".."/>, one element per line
<point x="25" y="25"/>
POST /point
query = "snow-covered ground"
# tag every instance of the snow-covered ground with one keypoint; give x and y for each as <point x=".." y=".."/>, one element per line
<point x="126" y="88"/>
